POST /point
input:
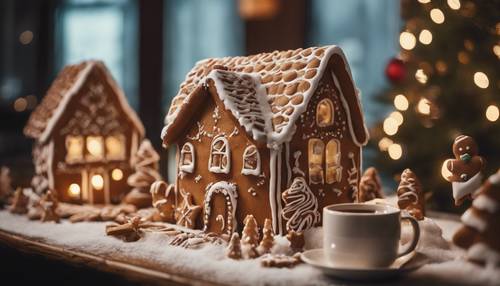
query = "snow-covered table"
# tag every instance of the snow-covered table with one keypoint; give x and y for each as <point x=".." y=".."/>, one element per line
<point x="152" y="259"/>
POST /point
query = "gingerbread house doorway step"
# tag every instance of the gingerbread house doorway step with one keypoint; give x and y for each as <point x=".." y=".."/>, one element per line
<point x="220" y="208"/>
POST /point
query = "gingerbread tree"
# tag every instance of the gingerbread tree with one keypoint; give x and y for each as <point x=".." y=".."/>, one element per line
<point x="233" y="249"/>
<point x="19" y="202"/>
<point x="481" y="222"/>
<point x="267" y="241"/>
<point x="5" y="185"/>
<point x="411" y="195"/>
<point x="370" y="186"/>
<point x="250" y="237"/>
<point x="146" y="173"/>
<point x="49" y="204"/>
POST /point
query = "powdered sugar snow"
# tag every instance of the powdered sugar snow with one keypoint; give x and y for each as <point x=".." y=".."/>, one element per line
<point x="209" y="262"/>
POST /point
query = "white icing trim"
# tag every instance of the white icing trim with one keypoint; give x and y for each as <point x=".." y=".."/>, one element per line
<point x="188" y="168"/>
<point x="462" y="189"/>
<point x="345" y="104"/>
<point x="256" y="170"/>
<point x="296" y="167"/>
<point x="482" y="252"/>
<point x="472" y="220"/>
<point x="229" y="191"/>
<point x="288" y="166"/>
<point x="278" y="193"/>
<point x="50" y="164"/>
<point x="225" y="153"/>
<point x="485" y="203"/>
<point x="301" y="212"/>
<point x="75" y="88"/>
<point x="272" y="189"/>
<point x="495" y="178"/>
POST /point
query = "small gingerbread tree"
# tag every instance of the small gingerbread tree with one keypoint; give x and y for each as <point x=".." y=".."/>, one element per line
<point x="146" y="173"/>
<point x="411" y="195"/>
<point x="267" y="242"/>
<point x="49" y="204"/>
<point x="233" y="249"/>
<point x="19" y="202"/>
<point x="479" y="233"/>
<point x="5" y="185"/>
<point x="250" y="237"/>
<point x="370" y="186"/>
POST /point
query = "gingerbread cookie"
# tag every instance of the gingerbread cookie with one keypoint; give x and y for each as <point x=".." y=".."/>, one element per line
<point x="479" y="234"/>
<point x="370" y="186"/>
<point x="280" y="260"/>
<point x="410" y="195"/>
<point x="465" y="169"/>
<point x="233" y="249"/>
<point x="187" y="213"/>
<point x="48" y="203"/>
<point x="164" y="200"/>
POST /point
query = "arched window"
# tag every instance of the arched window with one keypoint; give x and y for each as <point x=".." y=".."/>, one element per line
<point x="324" y="113"/>
<point x="95" y="148"/>
<point x="220" y="160"/>
<point x="316" y="151"/>
<point x="333" y="166"/>
<point x="115" y="147"/>
<point x="187" y="158"/>
<point x="251" y="161"/>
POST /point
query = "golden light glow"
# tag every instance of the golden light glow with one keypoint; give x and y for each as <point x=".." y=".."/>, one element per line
<point x="26" y="37"/>
<point x="401" y="102"/>
<point x="20" y="104"/>
<point x="444" y="171"/>
<point x="441" y="67"/>
<point x="395" y="151"/>
<point x="424" y="106"/>
<point x="97" y="182"/>
<point x="384" y="144"/>
<point x="390" y="126"/>
<point x="481" y="80"/>
<point x="74" y="191"/>
<point x="115" y="146"/>
<point x="492" y="113"/>
<point x="425" y="37"/>
<point x="496" y="50"/>
<point x="424" y="1"/>
<point x="117" y="174"/>
<point x="421" y="76"/>
<point x="437" y="16"/>
<point x="407" y="40"/>
<point x="397" y="116"/>
<point x="463" y="58"/>
<point x="95" y="146"/>
<point x="454" y="4"/>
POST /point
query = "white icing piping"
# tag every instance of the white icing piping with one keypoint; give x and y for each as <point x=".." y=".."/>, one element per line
<point x="82" y="77"/>
<point x="301" y="210"/>
<point x="485" y="203"/>
<point x="278" y="193"/>
<point x="461" y="189"/>
<point x="288" y="166"/>
<point x="188" y="148"/>
<point x="220" y="169"/>
<point x="272" y="188"/>
<point x="472" y="220"/>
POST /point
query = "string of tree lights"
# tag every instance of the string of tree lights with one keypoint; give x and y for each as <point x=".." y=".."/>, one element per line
<point x="444" y="82"/>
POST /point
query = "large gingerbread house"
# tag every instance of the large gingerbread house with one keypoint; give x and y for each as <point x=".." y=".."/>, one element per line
<point x="85" y="136"/>
<point x="276" y="135"/>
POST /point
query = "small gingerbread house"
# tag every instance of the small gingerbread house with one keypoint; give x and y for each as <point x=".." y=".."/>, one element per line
<point x="276" y="135"/>
<point x="85" y="135"/>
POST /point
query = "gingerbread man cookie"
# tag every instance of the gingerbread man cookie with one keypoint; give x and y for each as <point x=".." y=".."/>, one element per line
<point x="465" y="169"/>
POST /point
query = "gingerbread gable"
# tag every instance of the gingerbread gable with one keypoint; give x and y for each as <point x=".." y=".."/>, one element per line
<point x="267" y="92"/>
<point x="68" y="84"/>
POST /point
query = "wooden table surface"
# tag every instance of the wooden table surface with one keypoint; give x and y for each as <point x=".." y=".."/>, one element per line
<point x="120" y="271"/>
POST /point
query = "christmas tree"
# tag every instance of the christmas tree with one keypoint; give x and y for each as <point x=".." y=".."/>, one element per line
<point x="444" y="82"/>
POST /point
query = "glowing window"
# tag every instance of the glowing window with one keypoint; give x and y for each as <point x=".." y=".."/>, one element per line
<point x="115" y="147"/>
<point x="251" y="161"/>
<point x="316" y="151"/>
<point x="219" y="161"/>
<point x="95" y="148"/>
<point x="187" y="158"/>
<point x="324" y="113"/>
<point x="333" y="166"/>
<point x="74" y="149"/>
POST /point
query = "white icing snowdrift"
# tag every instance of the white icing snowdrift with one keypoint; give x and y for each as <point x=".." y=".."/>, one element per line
<point x="446" y="267"/>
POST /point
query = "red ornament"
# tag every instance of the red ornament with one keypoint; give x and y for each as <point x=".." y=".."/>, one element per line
<point x="395" y="70"/>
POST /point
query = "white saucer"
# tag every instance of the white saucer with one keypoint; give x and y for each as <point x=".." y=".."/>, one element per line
<point x="402" y="265"/>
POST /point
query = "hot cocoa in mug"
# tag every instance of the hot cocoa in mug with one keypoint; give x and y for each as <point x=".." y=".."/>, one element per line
<point x="364" y="236"/>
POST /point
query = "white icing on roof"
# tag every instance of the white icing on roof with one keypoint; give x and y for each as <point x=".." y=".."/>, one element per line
<point x="284" y="81"/>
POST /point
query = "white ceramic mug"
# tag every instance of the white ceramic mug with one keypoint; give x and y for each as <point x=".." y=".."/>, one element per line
<point x="364" y="236"/>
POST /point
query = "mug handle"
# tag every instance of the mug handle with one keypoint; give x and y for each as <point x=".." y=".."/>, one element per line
<point x="416" y="235"/>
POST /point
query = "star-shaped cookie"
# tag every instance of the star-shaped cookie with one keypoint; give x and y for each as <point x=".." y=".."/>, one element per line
<point x="187" y="213"/>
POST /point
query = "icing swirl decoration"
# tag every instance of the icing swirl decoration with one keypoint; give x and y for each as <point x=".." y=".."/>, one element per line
<point x="301" y="206"/>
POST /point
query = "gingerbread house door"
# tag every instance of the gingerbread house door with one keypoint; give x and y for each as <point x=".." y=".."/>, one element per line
<point x="220" y="208"/>
<point x="98" y="187"/>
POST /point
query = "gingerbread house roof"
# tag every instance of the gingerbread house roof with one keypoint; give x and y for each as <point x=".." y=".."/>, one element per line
<point x="66" y="85"/>
<point x="268" y="92"/>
